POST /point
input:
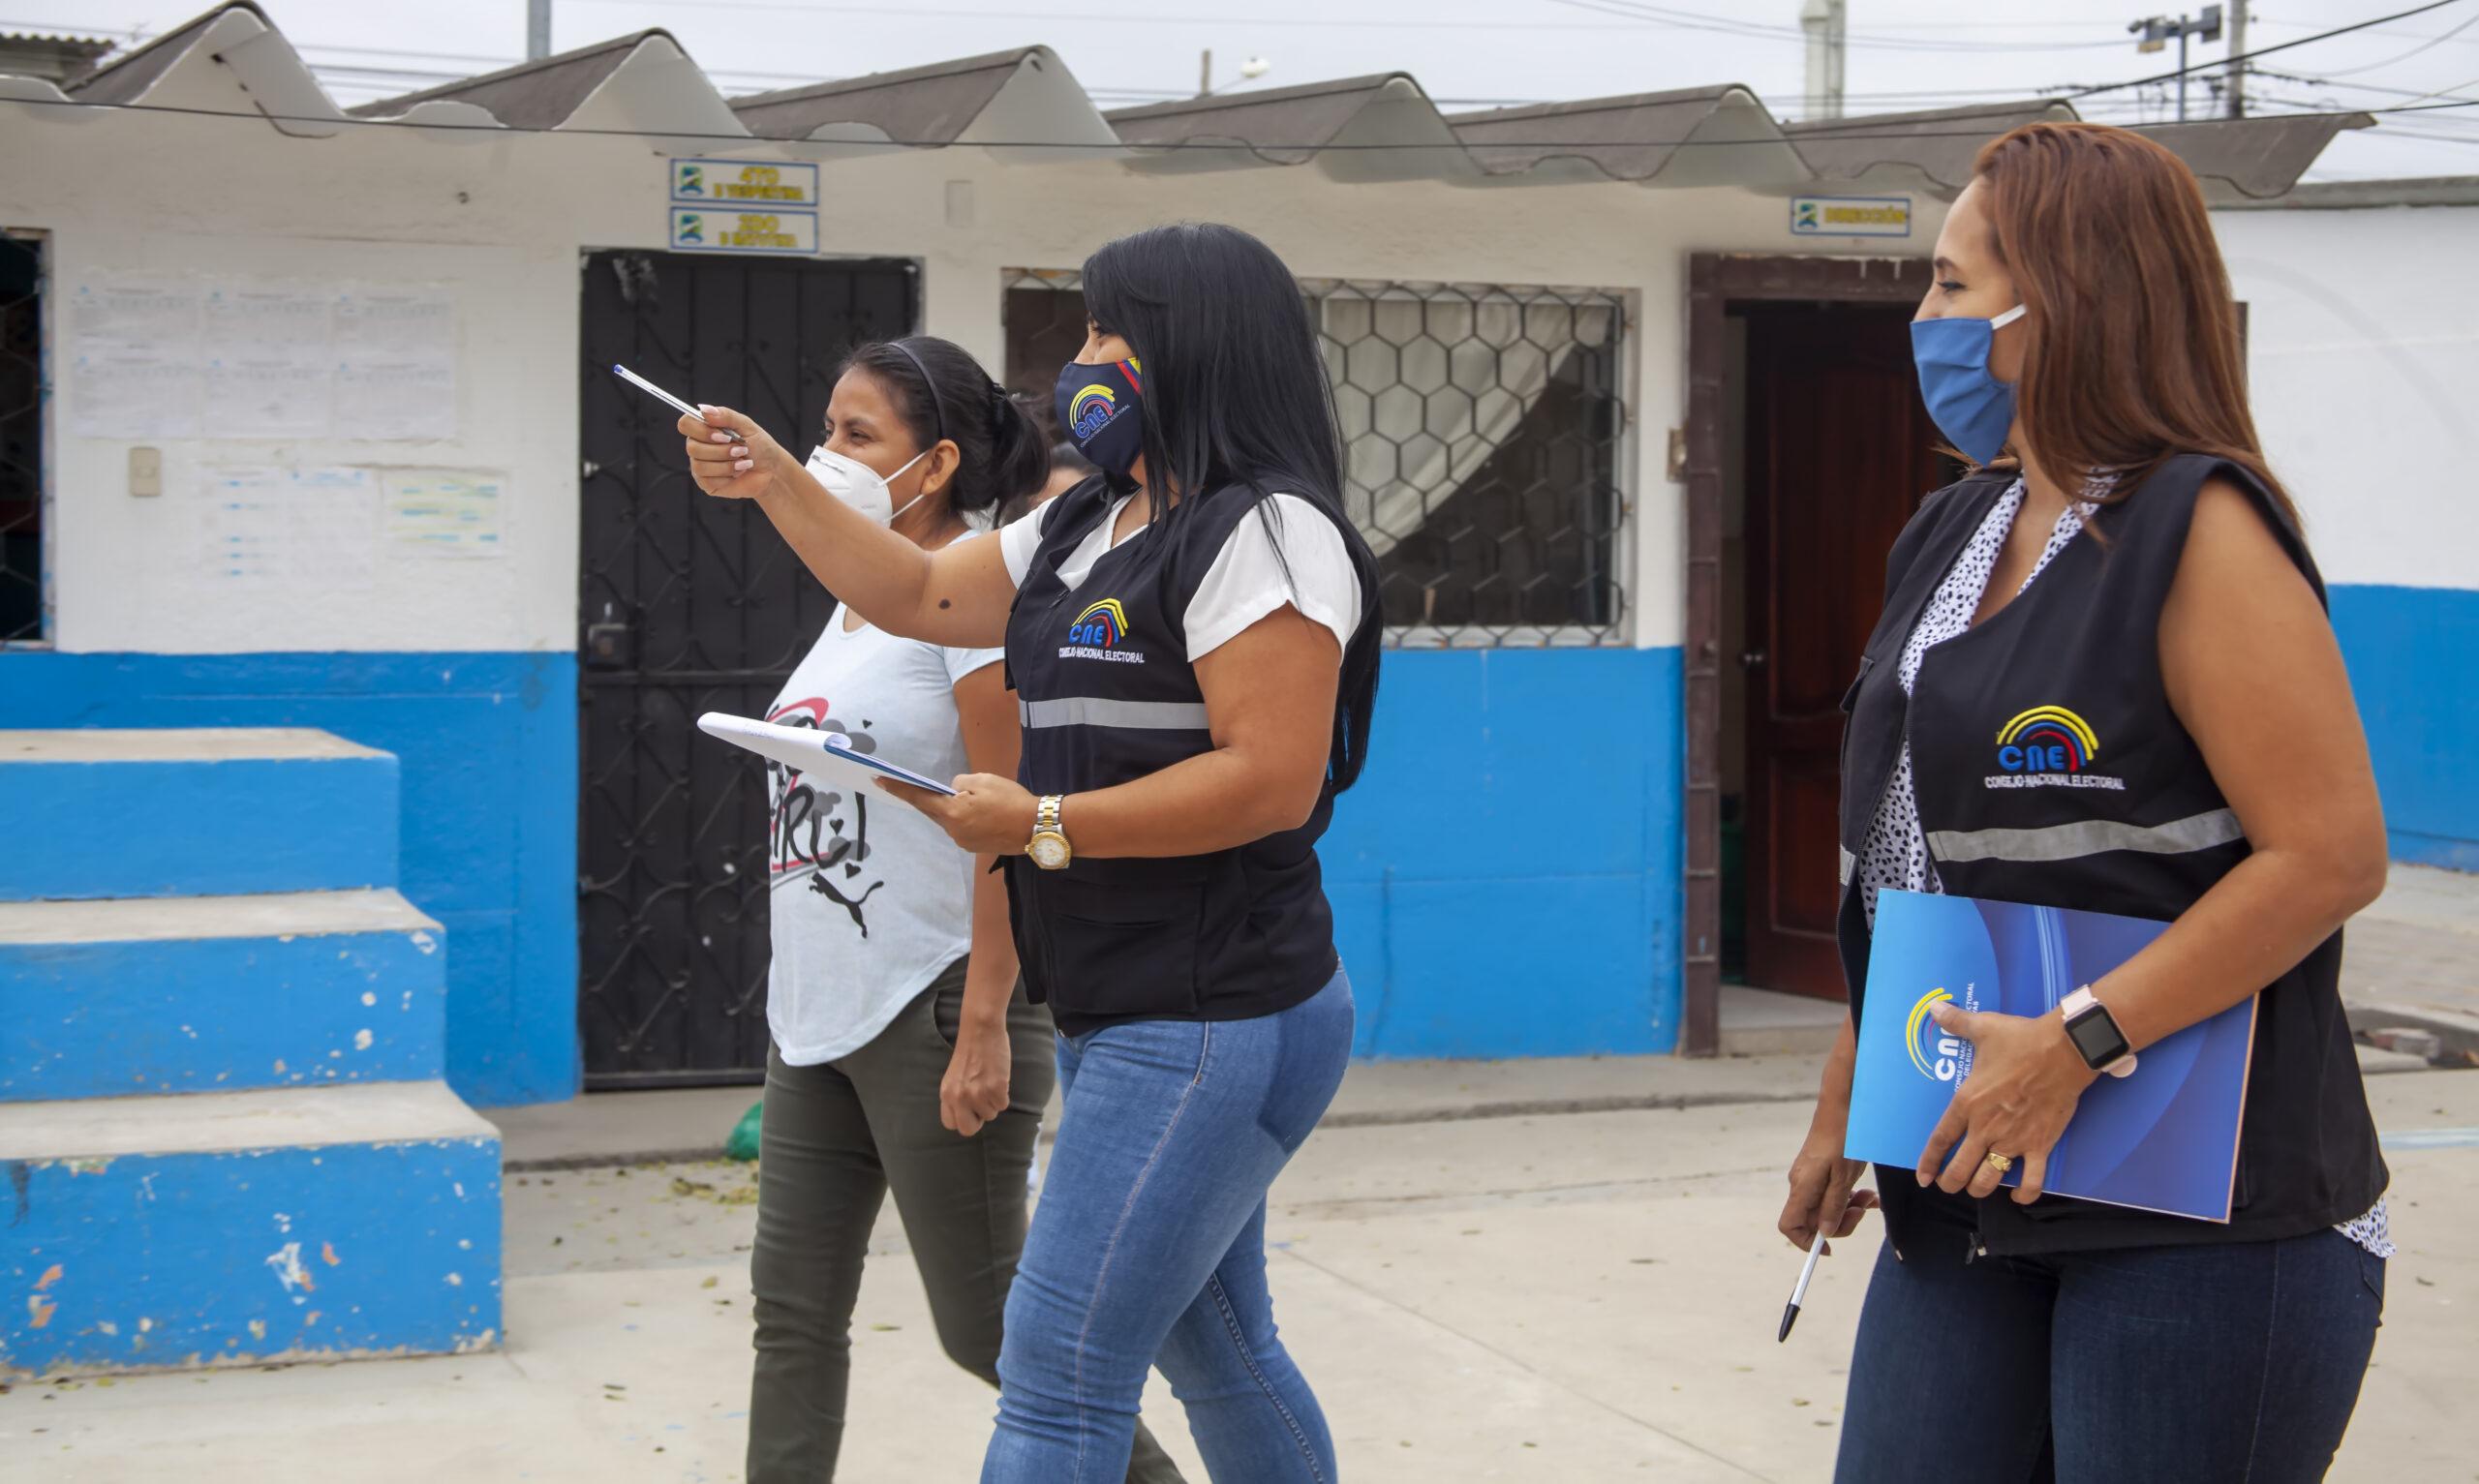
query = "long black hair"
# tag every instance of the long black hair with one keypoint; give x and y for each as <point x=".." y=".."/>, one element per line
<point x="1237" y="406"/>
<point x="941" y="392"/>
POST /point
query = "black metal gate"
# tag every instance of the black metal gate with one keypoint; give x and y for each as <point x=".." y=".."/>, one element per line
<point x="689" y="604"/>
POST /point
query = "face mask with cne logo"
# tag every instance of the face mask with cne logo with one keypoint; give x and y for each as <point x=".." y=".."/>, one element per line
<point x="1101" y="408"/>
<point x="1965" y="399"/>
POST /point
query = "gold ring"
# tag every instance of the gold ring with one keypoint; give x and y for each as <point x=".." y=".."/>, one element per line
<point x="2000" y="1163"/>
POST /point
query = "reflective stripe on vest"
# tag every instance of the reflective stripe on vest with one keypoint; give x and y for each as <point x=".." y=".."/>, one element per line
<point x="1848" y="862"/>
<point x="1098" y="712"/>
<point x="2087" y="837"/>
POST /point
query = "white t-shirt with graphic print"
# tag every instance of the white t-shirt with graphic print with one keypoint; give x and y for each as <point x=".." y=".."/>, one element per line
<point x="868" y="899"/>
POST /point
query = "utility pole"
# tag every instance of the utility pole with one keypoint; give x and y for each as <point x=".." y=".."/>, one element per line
<point x="1250" y="71"/>
<point x="2237" y="56"/>
<point x="2158" y="31"/>
<point x="1823" y="22"/>
<point x="537" y="29"/>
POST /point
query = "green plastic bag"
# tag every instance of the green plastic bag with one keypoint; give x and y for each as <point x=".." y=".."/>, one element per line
<point x="743" y="1143"/>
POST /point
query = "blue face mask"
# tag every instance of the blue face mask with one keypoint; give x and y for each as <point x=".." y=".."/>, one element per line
<point x="1101" y="408"/>
<point x="1968" y="405"/>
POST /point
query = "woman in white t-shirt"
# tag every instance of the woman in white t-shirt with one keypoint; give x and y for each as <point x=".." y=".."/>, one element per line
<point x="905" y="1058"/>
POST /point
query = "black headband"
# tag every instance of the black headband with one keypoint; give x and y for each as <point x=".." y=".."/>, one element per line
<point x="937" y="415"/>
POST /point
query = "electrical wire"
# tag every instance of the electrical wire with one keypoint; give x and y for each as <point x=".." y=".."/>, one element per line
<point x="2430" y="45"/>
<point x="1641" y="16"/>
<point x="1724" y="25"/>
<point x="2361" y="87"/>
<point x="2256" y="19"/>
<point x="2226" y="62"/>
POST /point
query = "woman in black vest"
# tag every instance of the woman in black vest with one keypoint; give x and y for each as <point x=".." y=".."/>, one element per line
<point x="2121" y="558"/>
<point x="1193" y="639"/>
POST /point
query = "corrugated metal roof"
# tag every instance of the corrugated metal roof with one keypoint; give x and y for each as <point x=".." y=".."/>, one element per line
<point x="1025" y="104"/>
<point x="1937" y="145"/>
<point x="1380" y="127"/>
<point x="2364" y="195"/>
<point x="123" y="78"/>
<point x="541" y="94"/>
<point x="918" y="106"/>
<point x="90" y="46"/>
<point x="1024" y="92"/>
<point x="1689" y="136"/>
<point x="2254" y="158"/>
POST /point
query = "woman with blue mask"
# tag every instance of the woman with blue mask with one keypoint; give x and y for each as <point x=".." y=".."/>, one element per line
<point x="1193" y="637"/>
<point x="2122" y="565"/>
<point x="905" y="1058"/>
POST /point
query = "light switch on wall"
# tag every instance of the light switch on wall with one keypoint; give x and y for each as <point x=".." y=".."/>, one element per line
<point x="145" y="472"/>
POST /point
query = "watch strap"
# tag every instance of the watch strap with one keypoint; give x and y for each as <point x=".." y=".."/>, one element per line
<point x="2084" y="1003"/>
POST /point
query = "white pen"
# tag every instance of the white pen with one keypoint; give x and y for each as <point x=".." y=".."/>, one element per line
<point x="636" y="381"/>
<point x="1807" y="1270"/>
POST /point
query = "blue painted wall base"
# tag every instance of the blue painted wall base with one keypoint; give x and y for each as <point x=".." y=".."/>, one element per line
<point x="488" y="747"/>
<point x="2413" y="655"/>
<point x="1506" y="876"/>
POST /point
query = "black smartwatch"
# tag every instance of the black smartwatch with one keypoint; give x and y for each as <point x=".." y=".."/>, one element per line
<point x="2095" y="1035"/>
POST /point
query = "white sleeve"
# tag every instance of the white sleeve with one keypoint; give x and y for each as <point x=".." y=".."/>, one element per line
<point x="963" y="663"/>
<point x="1020" y="539"/>
<point x="1246" y="583"/>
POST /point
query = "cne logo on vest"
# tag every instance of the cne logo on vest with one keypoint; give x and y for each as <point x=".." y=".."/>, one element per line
<point x="1097" y="634"/>
<point x="1935" y="1054"/>
<point x="2048" y="746"/>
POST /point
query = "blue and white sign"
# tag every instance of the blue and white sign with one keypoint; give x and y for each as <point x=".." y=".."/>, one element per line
<point x="1851" y="216"/>
<point x="782" y="233"/>
<point x="766" y="185"/>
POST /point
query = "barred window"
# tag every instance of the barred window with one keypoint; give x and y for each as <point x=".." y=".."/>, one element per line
<point x="1483" y="430"/>
<point x="21" y="401"/>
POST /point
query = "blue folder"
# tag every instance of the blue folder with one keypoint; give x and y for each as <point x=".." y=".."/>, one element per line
<point x="2165" y="1138"/>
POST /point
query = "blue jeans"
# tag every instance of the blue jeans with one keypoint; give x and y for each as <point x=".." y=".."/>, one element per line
<point x="2234" y="1362"/>
<point x="1149" y="1248"/>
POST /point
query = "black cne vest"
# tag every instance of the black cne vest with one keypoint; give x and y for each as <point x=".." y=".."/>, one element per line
<point x="1107" y="695"/>
<point x="2050" y="770"/>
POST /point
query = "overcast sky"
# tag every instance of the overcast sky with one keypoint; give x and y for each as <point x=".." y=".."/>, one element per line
<point x="1468" y="53"/>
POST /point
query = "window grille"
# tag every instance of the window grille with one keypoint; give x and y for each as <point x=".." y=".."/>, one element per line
<point x="1484" y="432"/>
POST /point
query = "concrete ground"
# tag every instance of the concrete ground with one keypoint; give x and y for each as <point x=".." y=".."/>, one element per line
<point x="1500" y="1271"/>
<point x="1574" y="1297"/>
<point x="2412" y="962"/>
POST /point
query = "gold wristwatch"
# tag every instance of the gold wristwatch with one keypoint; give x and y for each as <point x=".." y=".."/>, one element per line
<point x="1049" y="848"/>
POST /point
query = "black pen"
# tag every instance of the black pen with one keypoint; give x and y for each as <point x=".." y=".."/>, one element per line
<point x="1807" y="1270"/>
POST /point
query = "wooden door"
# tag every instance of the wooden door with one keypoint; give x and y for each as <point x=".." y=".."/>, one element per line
<point x="1838" y="453"/>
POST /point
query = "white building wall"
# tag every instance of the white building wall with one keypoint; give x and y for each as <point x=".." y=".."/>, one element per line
<point x="500" y="221"/>
<point x="2364" y="354"/>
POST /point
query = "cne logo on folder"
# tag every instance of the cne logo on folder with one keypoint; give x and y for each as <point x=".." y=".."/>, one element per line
<point x="2165" y="1138"/>
<point x="1940" y="1058"/>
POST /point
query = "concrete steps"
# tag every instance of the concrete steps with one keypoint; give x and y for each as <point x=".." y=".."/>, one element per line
<point x="216" y="811"/>
<point x="229" y="1229"/>
<point x="217" y="994"/>
<point x="222" y="1038"/>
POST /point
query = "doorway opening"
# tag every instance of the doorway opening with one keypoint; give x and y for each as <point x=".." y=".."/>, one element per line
<point x="1807" y="450"/>
<point x="689" y="604"/>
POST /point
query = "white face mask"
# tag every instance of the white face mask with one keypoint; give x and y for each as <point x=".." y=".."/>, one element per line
<point x="860" y="486"/>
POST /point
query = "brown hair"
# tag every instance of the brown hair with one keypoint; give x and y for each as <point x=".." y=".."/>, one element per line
<point x="2133" y="356"/>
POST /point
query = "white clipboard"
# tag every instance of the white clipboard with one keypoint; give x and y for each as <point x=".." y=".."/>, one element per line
<point x="812" y="751"/>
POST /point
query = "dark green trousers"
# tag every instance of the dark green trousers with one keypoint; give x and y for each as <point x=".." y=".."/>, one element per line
<point x="833" y="1141"/>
